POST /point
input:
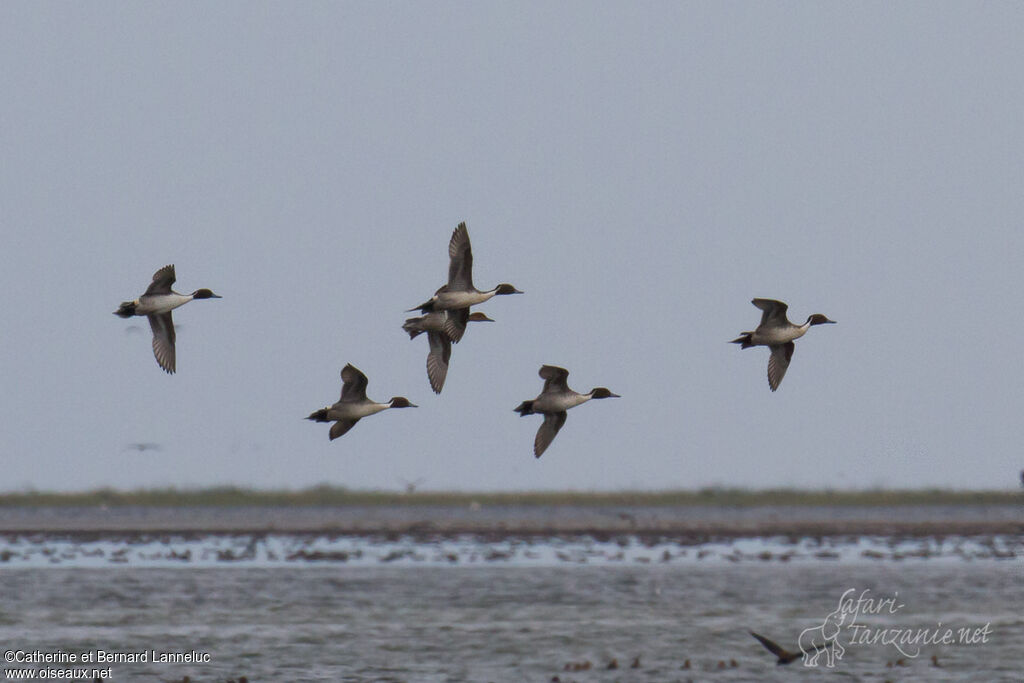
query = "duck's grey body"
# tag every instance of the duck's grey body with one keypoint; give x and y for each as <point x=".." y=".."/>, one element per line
<point x="156" y="304"/>
<point x="459" y="293"/>
<point x="436" y="325"/>
<point x="777" y="333"/>
<point x="353" y="404"/>
<point x="553" y="401"/>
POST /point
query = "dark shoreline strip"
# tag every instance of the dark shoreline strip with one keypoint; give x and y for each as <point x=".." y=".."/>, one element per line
<point x="684" y="534"/>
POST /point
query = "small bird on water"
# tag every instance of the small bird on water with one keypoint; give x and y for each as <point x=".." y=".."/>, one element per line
<point x="156" y="304"/>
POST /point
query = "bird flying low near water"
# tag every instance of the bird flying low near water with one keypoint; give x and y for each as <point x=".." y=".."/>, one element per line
<point x="440" y="353"/>
<point x="459" y="294"/>
<point x="786" y="656"/>
<point x="553" y="402"/>
<point x="353" y="404"/>
<point x="777" y="333"/>
<point x="156" y="304"/>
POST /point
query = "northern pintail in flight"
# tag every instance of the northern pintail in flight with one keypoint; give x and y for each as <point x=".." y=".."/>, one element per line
<point x="156" y="304"/>
<point x="553" y="402"/>
<point x="777" y="333"/>
<point x="433" y="324"/>
<point x="788" y="656"/>
<point x="353" y="404"/>
<point x="459" y="294"/>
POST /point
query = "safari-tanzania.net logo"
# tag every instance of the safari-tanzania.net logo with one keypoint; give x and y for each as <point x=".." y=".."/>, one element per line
<point x="843" y="626"/>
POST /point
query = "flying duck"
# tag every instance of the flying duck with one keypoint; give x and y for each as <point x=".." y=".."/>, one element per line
<point x="553" y="402"/>
<point x="353" y="404"/>
<point x="777" y="333"/>
<point x="157" y="303"/>
<point x="786" y="656"/>
<point x="434" y="324"/>
<point x="459" y="294"/>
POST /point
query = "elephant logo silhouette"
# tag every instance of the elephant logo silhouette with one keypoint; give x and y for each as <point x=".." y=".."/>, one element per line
<point x="823" y="639"/>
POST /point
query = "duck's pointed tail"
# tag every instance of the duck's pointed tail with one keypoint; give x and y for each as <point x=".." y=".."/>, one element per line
<point x="525" y="408"/>
<point x="126" y="309"/>
<point x="743" y="340"/>
<point x="319" y="416"/>
<point x="412" y="328"/>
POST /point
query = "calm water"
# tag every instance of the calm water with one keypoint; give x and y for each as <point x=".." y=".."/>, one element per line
<point x="525" y="621"/>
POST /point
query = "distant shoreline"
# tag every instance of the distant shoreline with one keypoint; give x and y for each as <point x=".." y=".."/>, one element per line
<point x="230" y="496"/>
<point x="687" y="516"/>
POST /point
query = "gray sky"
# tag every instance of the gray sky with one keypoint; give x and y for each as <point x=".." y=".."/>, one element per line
<point x="641" y="172"/>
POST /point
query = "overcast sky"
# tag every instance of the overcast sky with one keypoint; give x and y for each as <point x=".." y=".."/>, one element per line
<point x="640" y="171"/>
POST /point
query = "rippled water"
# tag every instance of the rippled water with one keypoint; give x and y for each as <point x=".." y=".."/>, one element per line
<point x="511" y="622"/>
<point x="414" y="593"/>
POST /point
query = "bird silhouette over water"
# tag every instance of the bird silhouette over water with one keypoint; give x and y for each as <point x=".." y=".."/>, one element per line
<point x="785" y="656"/>
<point x="353" y="404"/>
<point x="156" y="304"/>
<point x="553" y="402"/>
<point x="778" y="334"/>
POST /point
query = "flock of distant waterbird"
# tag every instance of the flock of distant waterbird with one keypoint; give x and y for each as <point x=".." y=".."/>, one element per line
<point x="444" y="320"/>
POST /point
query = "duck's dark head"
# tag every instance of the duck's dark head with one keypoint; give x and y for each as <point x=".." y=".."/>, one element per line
<point x="601" y="392"/>
<point x="402" y="402"/>
<point x="818" y="319"/>
<point x="506" y="288"/>
<point x="480" y="317"/>
<point x="204" y="294"/>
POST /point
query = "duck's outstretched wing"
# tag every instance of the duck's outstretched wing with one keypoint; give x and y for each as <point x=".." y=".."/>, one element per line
<point x="555" y="378"/>
<point x="778" y="363"/>
<point x="163" y="340"/>
<point x="162" y="281"/>
<point x="340" y="427"/>
<point x="774" y="311"/>
<point x="437" y="359"/>
<point x="353" y="387"/>
<point x="455" y="323"/>
<point x="771" y="645"/>
<point x="460" y="264"/>
<point x="547" y="432"/>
